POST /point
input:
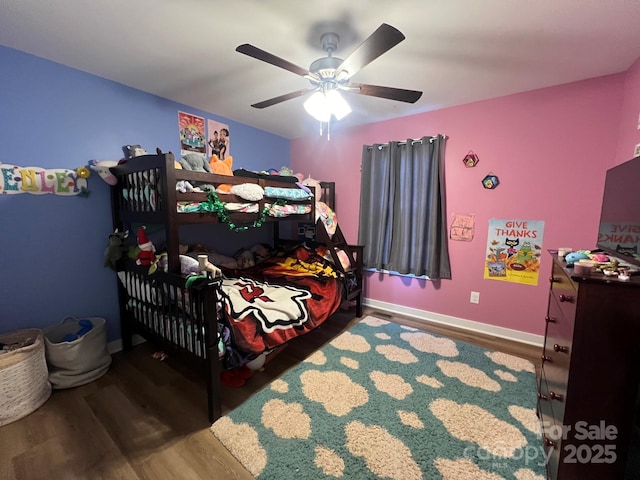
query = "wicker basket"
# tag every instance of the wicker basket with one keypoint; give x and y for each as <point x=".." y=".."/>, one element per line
<point x="24" y="384"/>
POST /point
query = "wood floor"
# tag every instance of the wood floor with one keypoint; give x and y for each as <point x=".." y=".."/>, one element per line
<point x="147" y="419"/>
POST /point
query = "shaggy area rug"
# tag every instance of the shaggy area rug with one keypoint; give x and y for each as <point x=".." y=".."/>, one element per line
<point x="388" y="401"/>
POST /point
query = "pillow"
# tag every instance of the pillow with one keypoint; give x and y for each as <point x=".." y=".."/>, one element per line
<point x="286" y="193"/>
<point x="248" y="191"/>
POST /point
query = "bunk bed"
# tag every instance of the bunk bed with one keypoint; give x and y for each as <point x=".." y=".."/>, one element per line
<point x="200" y="320"/>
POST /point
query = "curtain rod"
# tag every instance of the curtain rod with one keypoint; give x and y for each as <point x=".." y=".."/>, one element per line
<point x="413" y="142"/>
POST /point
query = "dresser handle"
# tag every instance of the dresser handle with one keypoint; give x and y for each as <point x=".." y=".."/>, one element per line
<point x="560" y="348"/>
<point x="542" y="396"/>
<point x="549" y="443"/>
<point x="565" y="298"/>
<point x="555" y="396"/>
<point x="545" y="358"/>
<point x="550" y="319"/>
<point x="552" y="279"/>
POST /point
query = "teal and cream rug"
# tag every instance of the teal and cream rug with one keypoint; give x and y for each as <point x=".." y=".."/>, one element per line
<point x="387" y="401"/>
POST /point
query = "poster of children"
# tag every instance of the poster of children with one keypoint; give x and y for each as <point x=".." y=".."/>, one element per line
<point x="191" y="133"/>
<point x="218" y="142"/>
<point x="514" y="248"/>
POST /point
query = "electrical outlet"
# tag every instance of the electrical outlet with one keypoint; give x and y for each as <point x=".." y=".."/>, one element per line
<point x="475" y="297"/>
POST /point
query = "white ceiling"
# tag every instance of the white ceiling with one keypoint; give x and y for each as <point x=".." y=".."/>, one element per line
<point x="456" y="51"/>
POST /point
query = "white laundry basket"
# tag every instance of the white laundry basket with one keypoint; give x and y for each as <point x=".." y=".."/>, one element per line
<point x="24" y="384"/>
<point x="80" y="361"/>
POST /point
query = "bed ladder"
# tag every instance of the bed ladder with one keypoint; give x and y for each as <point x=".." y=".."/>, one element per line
<point x="353" y="252"/>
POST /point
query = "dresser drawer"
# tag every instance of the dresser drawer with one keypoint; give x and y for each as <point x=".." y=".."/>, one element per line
<point x="550" y="427"/>
<point x="564" y="292"/>
<point x="558" y="340"/>
<point x="555" y="390"/>
<point x="545" y="408"/>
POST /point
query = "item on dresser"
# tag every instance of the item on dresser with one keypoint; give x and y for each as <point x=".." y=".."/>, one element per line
<point x="573" y="257"/>
<point x="564" y="251"/>
<point x="584" y="267"/>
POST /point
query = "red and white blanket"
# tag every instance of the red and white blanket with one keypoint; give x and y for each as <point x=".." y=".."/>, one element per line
<point x="279" y="299"/>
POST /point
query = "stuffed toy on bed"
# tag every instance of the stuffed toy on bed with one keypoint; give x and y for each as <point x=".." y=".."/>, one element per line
<point x="147" y="254"/>
<point x="195" y="162"/>
<point x="222" y="167"/>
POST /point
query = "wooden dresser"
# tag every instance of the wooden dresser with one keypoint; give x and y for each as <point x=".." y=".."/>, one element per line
<point x="589" y="380"/>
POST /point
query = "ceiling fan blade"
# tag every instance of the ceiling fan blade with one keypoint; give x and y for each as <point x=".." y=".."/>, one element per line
<point x="259" y="54"/>
<point x="383" y="39"/>
<point x="282" y="98"/>
<point x="399" y="94"/>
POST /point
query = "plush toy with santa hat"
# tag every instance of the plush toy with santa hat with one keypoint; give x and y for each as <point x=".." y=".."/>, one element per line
<point x="147" y="254"/>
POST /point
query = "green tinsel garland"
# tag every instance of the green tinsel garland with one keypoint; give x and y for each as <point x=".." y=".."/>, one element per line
<point x="214" y="205"/>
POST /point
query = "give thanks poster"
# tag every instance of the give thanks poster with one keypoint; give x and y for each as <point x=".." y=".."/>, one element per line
<point x="513" y="250"/>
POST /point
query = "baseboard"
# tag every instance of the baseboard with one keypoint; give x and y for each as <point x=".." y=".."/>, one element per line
<point x="116" y="345"/>
<point x="468" y="325"/>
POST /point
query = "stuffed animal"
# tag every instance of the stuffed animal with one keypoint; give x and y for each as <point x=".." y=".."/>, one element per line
<point x="102" y="168"/>
<point x="573" y="257"/>
<point x="147" y="254"/>
<point x="131" y="151"/>
<point x="222" y="167"/>
<point x="310" y="182"/>
<point x="195" y="162"/>
<point x="115" y="249"/>
<point x="204" y="265"/>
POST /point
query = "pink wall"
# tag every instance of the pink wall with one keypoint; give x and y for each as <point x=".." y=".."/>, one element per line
<point x="629" y="133"/>
<point x="550" y="149"/>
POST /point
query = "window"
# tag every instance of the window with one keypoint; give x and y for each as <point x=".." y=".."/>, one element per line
<point x="402" y="208"/>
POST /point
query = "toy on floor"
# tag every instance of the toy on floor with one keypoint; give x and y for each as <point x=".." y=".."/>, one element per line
<point x="236" y="377"/>
<point x="160" y="356"/>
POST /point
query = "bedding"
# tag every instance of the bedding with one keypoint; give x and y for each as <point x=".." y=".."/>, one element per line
<point x="279" y="299"/>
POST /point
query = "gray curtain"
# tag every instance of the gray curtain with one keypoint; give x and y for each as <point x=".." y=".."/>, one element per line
<point x="402" y="208"/>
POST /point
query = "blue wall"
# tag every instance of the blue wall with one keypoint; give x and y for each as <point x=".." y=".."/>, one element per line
<point x="51" y="247"/>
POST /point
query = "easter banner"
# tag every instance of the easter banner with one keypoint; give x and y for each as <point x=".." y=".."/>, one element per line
<point x="513" y="250"/>
<point x="36" y="180"/>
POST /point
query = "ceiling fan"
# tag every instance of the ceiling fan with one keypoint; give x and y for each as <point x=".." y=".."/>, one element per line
<point x="329" y="74"/>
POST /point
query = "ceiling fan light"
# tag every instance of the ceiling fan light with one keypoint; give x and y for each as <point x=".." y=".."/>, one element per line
<point x="337" y="104"/>
<point x="318" y="107"/>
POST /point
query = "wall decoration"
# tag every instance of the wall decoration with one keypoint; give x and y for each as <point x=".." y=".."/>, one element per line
<point x="462" y="227"/>
<point x="218" y="141"/>
<point x="490" y="182"/>
<point x="513" y="250"/>
<point x="191" y="133"/>
<point x="470" y="159"/>
<point x="36" y="180"/>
